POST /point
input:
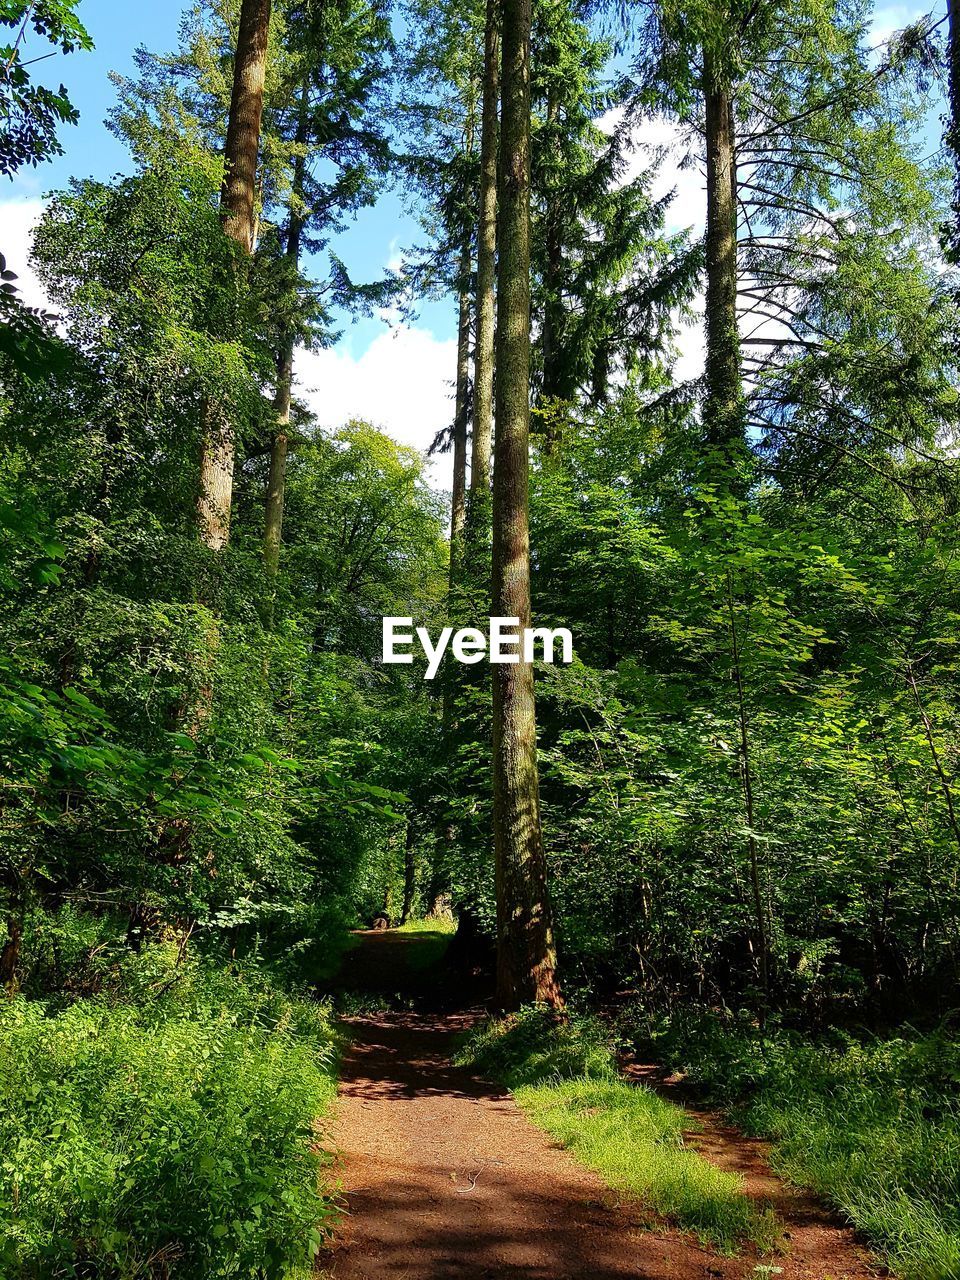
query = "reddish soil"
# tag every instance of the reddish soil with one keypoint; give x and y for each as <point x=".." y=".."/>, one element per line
<point x="444" y="1176"/>
<point x="819" y="1247"/>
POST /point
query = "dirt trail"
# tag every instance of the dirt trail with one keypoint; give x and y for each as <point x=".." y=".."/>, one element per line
<point x="444" y="1176"/>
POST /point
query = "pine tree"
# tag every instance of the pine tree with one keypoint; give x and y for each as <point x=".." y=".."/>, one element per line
<point x="526" y="959"/>
<point x="479" y="500"/>
<point x="237" y="208"/>
<point x="335" y="59"/>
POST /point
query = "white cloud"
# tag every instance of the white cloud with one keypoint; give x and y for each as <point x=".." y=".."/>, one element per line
<point x="401" y="383"/>
<point x="395" y="258"/>
<point x="17" y="221"/>
<point x="661" y="137"/>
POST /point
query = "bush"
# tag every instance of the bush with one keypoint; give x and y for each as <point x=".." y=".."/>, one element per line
<point x="164" y="1128"/>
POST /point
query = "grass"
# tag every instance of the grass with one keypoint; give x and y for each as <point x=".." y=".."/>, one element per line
<point x="565" y="1078"/>
<point x="872" y="1125"/>
<point x="445" y="925"/>
<point x="164" y="1126"/>
<point x="433" y="937"/>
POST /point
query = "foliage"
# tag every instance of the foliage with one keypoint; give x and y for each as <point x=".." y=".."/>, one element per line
<point x="749" y="773"/>
<point x="872" y="1124"/>
<point x="566" y="1080"/>
<point x="772" y="634"/>
<point x="31" y="113"/>
<point x="163" y="1125"/>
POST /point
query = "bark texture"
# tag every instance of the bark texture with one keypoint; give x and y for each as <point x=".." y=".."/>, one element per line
<point x="723" y="407"/>
<point x="237" y="201"/>
<point x="458" y="504"/>
<point x="276" y="483"/>
<point x="553" y="274"/>
<point x="486" y="277"/>
<point x="217" y="458"/>
<point x="237" y="196"/>
<point x="526" y="963"/>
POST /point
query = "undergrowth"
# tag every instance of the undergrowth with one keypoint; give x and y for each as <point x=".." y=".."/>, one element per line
<point x="872" y="1125"/>
<point x="164" y="1126"/>
<point x="565" y="1077"/>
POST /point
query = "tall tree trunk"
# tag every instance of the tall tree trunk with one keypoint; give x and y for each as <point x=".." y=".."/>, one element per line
<point x="526" y="960"/>
<point x="217" y="456"/>
<point x="276" y="483"/>
<point x="553" y="304"/>
<point x="241" y="151"/>
<point x="237" y="201"/>
<point x="479" y="502"/>
<point x="10" y="954"/>
<point x="458" y="503"/>
<point x="723" y="407"/>
<point x="458" y="506"/>
<point x="952" y="136"/>
<point x="409" y="873"/>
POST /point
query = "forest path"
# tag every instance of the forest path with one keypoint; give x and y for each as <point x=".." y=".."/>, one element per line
<point x="444" y="1176"/>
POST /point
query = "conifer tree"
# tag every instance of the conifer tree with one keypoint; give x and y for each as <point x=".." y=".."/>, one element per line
<point x="237" y="211"/>
<point x="526" y="959"/>
<point x="335" y="61"/>
<point x="479" y="500"/>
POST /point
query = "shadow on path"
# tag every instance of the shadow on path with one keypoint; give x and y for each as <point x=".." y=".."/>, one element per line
<point x="443" y="1176"/>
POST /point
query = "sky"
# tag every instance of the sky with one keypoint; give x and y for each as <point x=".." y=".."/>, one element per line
<point x="399" y="377"/>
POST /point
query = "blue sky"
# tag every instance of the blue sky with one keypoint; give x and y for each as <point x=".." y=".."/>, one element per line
<point x="90" y="150"/>
<point x="398" y="378"/>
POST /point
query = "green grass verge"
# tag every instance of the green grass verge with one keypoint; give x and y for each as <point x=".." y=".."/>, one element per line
<point x="872" y="1125"/>
<point x="428" y="945"/>
<point x="566" y="1080"/>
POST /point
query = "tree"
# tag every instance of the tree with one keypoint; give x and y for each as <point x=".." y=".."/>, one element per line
<point x="952" y="135"/>
<point x="794" y="122"/>
<point x="335" y="61"/>
<point x="526" y="962"/>
<point x="608" y="282"/>
<point x="478" y="514"/>
<point x="444" y="71"/>
<point x="237" y="212"/>
<point x="31" y="113"/>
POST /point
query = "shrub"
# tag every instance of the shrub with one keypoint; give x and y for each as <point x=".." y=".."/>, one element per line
<point x="872" y="1125"/>
<point x="164" y="1128"/>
